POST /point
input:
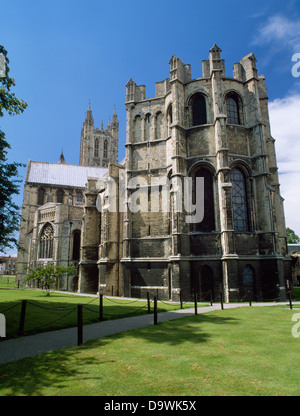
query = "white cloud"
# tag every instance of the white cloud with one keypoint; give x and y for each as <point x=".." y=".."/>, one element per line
<point x="281" y="30"/>
<point x="285" y="128"/>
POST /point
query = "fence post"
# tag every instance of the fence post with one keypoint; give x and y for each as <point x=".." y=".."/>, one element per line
<point x="79" y="325"/>
<point x="22" y="318"/>
<point x="195" y="302"/>
<point x="211" y="298"/>
<point x="155" y="310"/>
<point x="181" y="302"/>
<point x="148" y="303"/>
<point x="290" y="299"/>
<point x="249" y="297"/>
<point x="100" y="307"/>
<point x="221" y="297"/>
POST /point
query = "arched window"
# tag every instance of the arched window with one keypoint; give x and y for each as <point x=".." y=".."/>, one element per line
<point x="199" y="110"/>
<point x="41" y="196"/>
<point x="96" y="148"/>
<point x="248" y="283"/>
<point x="206" y="283"/>
<point x="137" y="124"/>
<point x="158" y="125"/>
<point x="239" y="201"/>
<point x="79" y="197"/>
<point x="60" y="196"/>
<point x="208" y="222"/>
<point x="76" y="246"/>
<point x="46" y="242"/>
<point x="105" y="148"/>
<point x="147" y="126"/>
<point x="234" y="110"/>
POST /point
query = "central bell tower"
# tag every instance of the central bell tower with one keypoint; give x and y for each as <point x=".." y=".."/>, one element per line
<point x="98" y="147"/>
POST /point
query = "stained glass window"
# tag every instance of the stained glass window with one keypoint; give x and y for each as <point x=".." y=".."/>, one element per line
<point x="60" y="196"/>
<point x="96" y="149"/>
<point x="239" y="201"/>
<point x="232" y="106"/>
<point x="46" y="242"/>
<point x="199" y="110"/>
<point x="105" y="149"/>
<point x="41" y="196"/>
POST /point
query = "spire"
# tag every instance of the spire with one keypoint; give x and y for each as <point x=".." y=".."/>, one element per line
<point x="89" y="116"/>
<point x="215" y="52"/>
<point x="61" y="159"/>
<point x="115" y="117"/>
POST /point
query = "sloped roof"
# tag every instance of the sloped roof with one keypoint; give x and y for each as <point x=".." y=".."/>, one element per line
<point x="62" y="174"/>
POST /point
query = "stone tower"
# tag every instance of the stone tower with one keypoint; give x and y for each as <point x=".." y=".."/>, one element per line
<point x="214" y="128"/>
<point x="98" y="147"/>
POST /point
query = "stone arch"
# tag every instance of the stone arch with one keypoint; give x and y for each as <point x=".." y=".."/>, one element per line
<point x="206" y="283"/>
<point x="46" y="239"/>
<point x="76" y="245"/>
<point x="41" y="196"/>
<point x="206" y="171"/>
<point x="234" y="107"/>
<point x="240" y="203"/>
<point x="248" y="282"/>
<point x="197" y="107"/>
<point x="147" y="126"/>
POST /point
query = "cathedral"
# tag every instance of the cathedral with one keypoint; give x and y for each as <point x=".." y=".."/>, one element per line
<point x="194" y="207"/>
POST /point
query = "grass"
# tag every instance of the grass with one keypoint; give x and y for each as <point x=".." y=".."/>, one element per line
<point x="8" y="281"/>
<point x="297" y="293"/>
<point x="57" y="311"/>
<point x="245" y="351"/>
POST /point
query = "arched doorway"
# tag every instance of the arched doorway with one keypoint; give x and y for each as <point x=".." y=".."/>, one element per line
<point x="206" y="283"/>
<point x="248" y="282"/>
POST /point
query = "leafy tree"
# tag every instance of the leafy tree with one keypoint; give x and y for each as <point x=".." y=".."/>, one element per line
<point x="47" y="275"/>
<point x="9" y="182"/>
<point x="292" y="237"/>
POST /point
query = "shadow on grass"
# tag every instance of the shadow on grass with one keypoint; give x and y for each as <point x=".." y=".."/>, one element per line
<point x="51" y="370"/>
<point x="61" y="369"/>
<point x="176" y="331"/>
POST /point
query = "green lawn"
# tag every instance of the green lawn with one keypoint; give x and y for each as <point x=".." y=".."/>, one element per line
<point x="8" y="281"/>
<point x="244" y="351"/>
<point x="47" y="313"/>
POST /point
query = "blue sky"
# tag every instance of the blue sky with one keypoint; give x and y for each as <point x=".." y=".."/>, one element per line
<point x="65" y="53"/>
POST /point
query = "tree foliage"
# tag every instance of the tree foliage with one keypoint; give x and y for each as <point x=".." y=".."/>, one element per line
<point x="47" y="275"/>
<point x="292" y="237"/>
<point x="9" y="178"/>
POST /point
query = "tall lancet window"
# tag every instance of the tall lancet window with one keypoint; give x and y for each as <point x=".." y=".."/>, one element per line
<point x="105" y="149"/>
<point x="96" y="148"/>
<point x="199" y="110"/>
<point x="46" y="242"/>
<point x="208" y="222"/>
<point x="239" y="201"/>
<point x="234" y="109"/>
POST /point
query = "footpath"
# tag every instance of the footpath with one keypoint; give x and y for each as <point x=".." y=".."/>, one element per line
<point x="28" y="346"/>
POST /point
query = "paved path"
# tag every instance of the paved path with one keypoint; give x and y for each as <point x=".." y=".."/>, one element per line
<point x="27" y="346"/>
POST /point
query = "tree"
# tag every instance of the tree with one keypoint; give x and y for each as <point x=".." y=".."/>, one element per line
<point x="9" y="182"/>
<point x="292" y="237"/>
<point x="47" y="275"/>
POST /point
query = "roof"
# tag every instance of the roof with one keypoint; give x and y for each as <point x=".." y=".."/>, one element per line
<point x="62" y="174"/>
